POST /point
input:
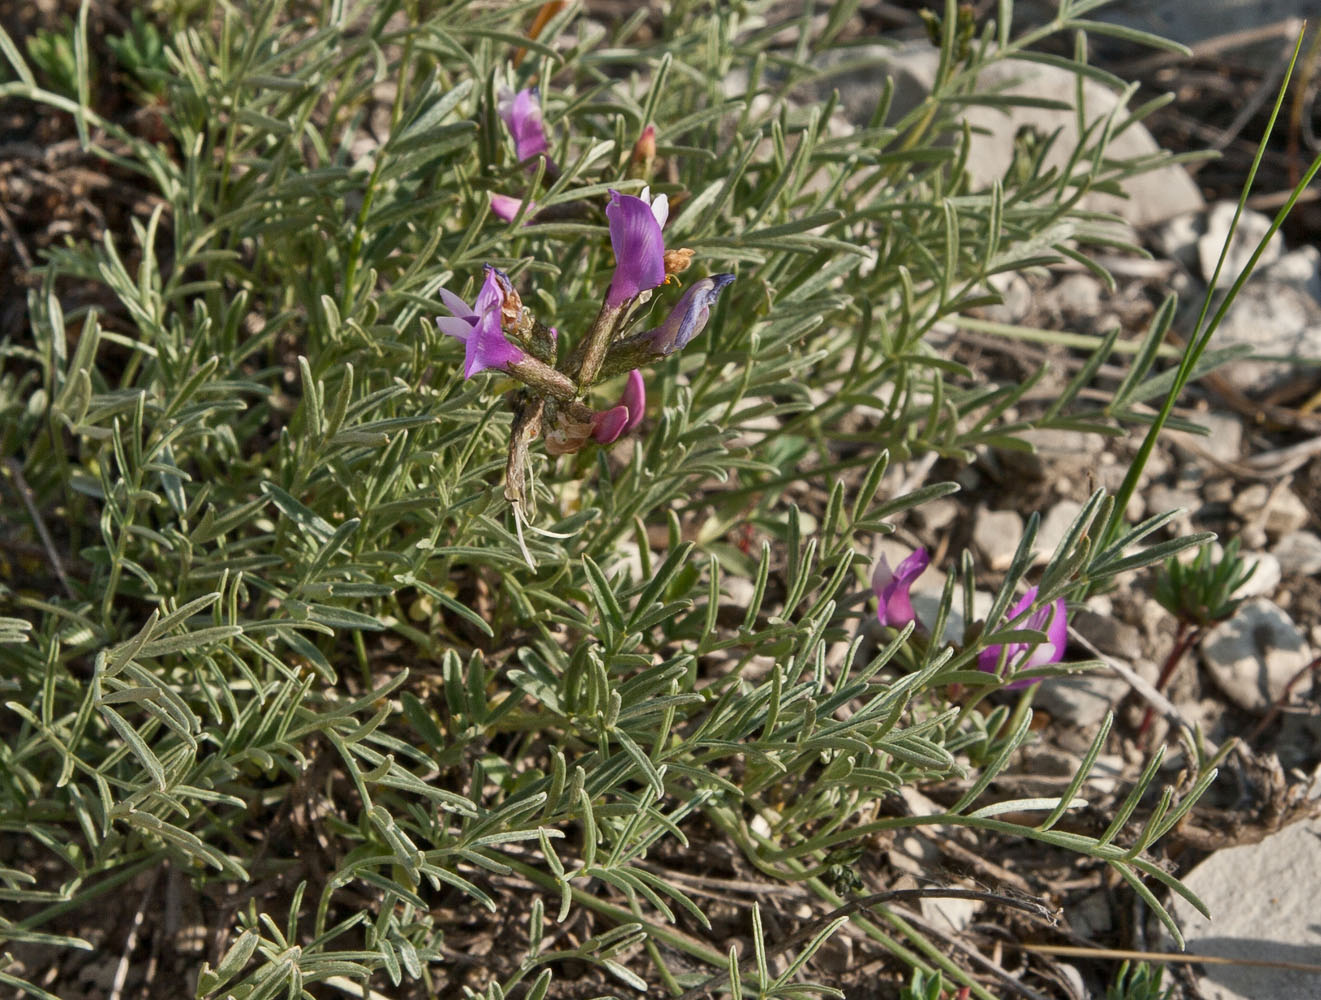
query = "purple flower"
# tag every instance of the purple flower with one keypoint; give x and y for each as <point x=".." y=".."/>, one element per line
<point x="893" y="605"/>
<point x="478" y="327"/>
<point x="611" y="425"/>
<point x="635" y="237"/>
<point x="505" y="207"/>
<point x="689" y="315"/>
<point x="522" y="116"/>
<point x="1050" y="618"/>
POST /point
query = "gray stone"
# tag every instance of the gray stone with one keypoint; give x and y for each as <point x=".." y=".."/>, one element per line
<point x="1161" y="499"/>
<point x="996" y="535"/>
<point x="737" y="592"/>
<point x="1263" y="903"/>
<point x="1285" y="513"/>
<point x="938" y="513"/>
<point x="1250" y="500"/>
<point x="1107" y="633"/>
<point x="1055" y="453"/>
<point x="1091" y="917"/>
<point x="1080" y="699"/>
<point x="1223" y="440"/>
<point x="1299" y="552"/>
<point x="1300" y="268"/>
<point x="951" y="914"/>
<point x="926" y="604"/>
<point x="1151" y="198"/>
<point x="1253" y="536"/>
<point x="1054" y="526"/>
<point x="1255" y="654"/>
<point x="1077" y="296"/>
<point x="1264" y="579"/>
<point x="1015" y="294"/>
<point x="1189" y="477"/>
<point x="1277" y="321"/>
<point x="1177" y="238"/>
<point x="1252" y="226"/>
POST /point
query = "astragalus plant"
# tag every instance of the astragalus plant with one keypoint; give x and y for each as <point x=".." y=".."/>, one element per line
<point x="361" y="657"/>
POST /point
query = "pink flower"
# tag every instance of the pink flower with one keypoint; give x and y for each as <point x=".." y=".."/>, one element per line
<point x="635" y="237"/>
<point x="478" y="328"/>
<point x="521" y="113"/>
<point x="612" y="424"/>
<point x="894" y="607"/>
<point x="1050" y="618"/>
<point x="506" y="208"/>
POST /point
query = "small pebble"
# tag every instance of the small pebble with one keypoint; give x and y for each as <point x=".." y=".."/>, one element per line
<point x="1264" y="579"/>
<point x="1299" y="552"/>
<point x="1250" y="500"/>
<point x="996" y="535"/>
<point x="1253" y="537"/>
<point x="1285" y="513"/>
<point x="1255" y="654"/>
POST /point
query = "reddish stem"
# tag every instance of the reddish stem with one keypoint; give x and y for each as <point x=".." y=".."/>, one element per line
<point x="1184" y="638"/>
<point x="1281" y="701"/>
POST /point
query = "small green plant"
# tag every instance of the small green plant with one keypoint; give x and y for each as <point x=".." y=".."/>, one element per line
<point x="924" y="986"/>
<point x="52" y="52"/>
<point x="1200" y="592"/>
<point x="1139" y="982"/>
<point x="141" y="51"/>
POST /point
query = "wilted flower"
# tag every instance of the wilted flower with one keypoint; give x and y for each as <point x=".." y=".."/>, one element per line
<point x="572" y="425"/>
<point x="614" y="423"/>
<point x="894" y="607"/>
<point x="478" y="326"/>
<point x="689" y="316"/>
<point x="1052" y="619"/>
<point x="635" y="237"/>
<point x="521" y="113"/>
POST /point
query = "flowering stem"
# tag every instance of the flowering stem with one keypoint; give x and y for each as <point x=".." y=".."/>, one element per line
<point x="590" y="354"/>
<point x="542" y="377"/>
<point x="625" y="355"/>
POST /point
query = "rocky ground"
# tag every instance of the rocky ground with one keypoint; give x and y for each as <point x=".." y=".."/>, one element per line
<point x="1251" y="848"/>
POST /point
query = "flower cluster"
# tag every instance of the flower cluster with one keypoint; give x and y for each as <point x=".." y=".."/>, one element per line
<point x="894" y="608"/>
<point x="499" y="333"/>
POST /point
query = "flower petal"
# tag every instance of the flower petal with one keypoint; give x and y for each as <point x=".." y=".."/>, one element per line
<point x="689" y="314"/>
<point x="608" y="426"/>
<point x="660" y="209"/>
<point x="522" y="116"/>
<point x="455" y="304"/>
<point x="635" y="398"/>
<point x="881" y="576"/>
<point x="506" y="208"/>
<point x="894" y="605"/>
<point x="1018" y="656"/>
<point x="459" y="329"/>
<point x="635" y="237"/>
<point x="488" y="347"/>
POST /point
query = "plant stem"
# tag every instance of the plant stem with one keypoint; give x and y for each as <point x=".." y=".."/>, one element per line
<point x="1278" y="706"/>
<point x="1186" y="636"/>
